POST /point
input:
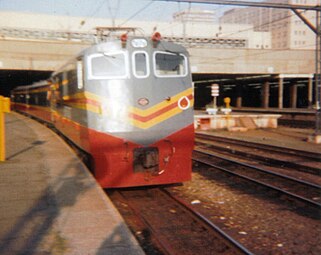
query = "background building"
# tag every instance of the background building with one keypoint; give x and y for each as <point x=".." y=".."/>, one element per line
<point x="199" y="27"/>
<point x="287" y="30"/>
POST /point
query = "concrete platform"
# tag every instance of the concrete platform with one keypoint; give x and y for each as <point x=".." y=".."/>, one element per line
<point x="50" y="203"/>
<point x="235" y="121"/>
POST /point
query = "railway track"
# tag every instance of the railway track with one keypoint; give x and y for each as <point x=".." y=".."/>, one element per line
<point x="303" y="191"/>
<point x="285" y="158"/>
<point x="166" y="225"/>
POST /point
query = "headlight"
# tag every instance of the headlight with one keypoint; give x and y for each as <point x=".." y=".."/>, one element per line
<point x="139" y="43"/>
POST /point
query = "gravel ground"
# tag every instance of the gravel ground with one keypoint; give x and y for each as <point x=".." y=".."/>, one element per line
<point x="262" y="222"/>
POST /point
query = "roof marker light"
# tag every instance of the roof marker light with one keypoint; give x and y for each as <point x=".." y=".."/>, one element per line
<point x="123" y="39"/>
<point x="156" y="37"/>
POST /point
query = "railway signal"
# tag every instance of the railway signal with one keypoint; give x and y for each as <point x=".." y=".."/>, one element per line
<point x="215" y="90"/>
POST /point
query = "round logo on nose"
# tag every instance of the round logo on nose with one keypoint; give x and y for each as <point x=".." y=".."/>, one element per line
<point x="143" y="101"/>
<point x="184" y="103"/>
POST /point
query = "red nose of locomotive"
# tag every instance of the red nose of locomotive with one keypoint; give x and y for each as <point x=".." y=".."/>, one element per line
<point x="144" y="129"/>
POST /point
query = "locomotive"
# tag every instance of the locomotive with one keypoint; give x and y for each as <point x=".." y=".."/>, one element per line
<point x="128" y="102"/>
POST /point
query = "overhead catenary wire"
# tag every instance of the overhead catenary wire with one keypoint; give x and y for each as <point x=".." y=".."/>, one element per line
<point x="99" y="6"/>
<point x="174" y="24"/>
<point x="258" y="26"/>
<point x="113" y="15"/>
<point x="136" y="13"/>
<point x="251" y="3"/>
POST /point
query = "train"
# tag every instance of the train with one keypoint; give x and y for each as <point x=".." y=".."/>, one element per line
<point x="128" y="103"/>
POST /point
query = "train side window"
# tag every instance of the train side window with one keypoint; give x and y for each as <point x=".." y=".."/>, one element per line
<point x="108" y="66"/>
<point x="140" y="64"/>
<point x="80" y="78"/>
<point x="168" y="64"/>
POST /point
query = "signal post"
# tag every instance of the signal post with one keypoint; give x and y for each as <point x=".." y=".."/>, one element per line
<point x="215" y="93"/>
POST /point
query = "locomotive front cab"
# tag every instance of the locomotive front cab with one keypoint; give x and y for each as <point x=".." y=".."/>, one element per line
<point x="145" y="118"/>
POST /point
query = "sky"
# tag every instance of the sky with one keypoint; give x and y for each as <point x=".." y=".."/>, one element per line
<point x="115" y="9"/>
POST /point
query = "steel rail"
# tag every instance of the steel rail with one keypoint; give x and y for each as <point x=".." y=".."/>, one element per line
<point x="208" y="222"/>
<point x="271" y="161"/>
<point x="165" y="248"/>
<point x="265" y="171"/>
<point x="288" y="151"/>
<point x="227" y="241"/>
<point x="311" y="202"/>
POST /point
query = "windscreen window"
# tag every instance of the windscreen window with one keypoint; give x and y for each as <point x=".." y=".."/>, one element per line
<point x="140" y="64"/>
<point x="107" y="66"/>
<point x="170" y="64"/>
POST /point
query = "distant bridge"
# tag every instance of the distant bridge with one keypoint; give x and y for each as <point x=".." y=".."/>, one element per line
<point x="222" y="61"/>
<point x="43" y="50"/>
